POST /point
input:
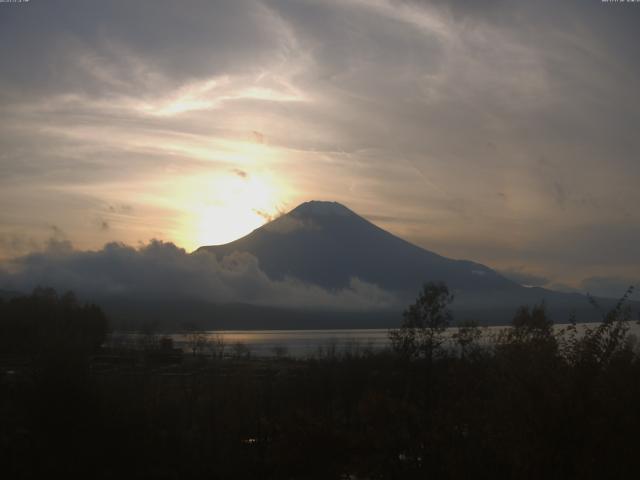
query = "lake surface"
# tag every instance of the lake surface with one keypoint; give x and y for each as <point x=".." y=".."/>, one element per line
<point x="307" y="343"/>
<point x="300" y="343"/>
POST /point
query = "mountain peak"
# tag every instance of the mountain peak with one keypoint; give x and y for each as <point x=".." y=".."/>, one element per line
<point x="319" y="207"/>
<point x="327" y="244"/>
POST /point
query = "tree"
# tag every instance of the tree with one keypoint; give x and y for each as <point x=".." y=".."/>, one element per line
<point x="532" y="324"/>
<point x="197" y="342"/>
<point x="599" y="344"/>
<point x="420" y="334"/>
<point x="467" y="337"/>
<point x="45" y="322"/>
<point x="531" y="331"/>
<point x="217" y="346"/>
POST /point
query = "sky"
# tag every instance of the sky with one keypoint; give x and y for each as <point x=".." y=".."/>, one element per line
<point x="504" y="132"/>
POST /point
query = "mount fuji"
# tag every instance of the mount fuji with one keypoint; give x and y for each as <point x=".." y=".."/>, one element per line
<point x="327" y="244"/>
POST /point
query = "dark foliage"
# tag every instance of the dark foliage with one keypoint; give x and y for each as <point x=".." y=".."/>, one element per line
<point x="532" y="403"/>
<point x="43" y="321"/>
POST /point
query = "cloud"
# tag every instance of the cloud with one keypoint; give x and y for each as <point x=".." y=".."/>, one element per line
<point x="266" y="215"/>
<point x="257" y="137"/>
<point x="290" y="223"/>
<point x="57" y="233"/>
<point x="612" y="287"/>
<point x="102" y="49"/>
<point x="521" y="276"/>
<point x="564" y="288"/>
<point x="240" y="173"/>
<point x="15" y="244"/>
<point x="123" y="209"/>
<point x="162" y="270"/>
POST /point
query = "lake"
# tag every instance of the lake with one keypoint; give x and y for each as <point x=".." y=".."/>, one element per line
<point x="305" y="343"/>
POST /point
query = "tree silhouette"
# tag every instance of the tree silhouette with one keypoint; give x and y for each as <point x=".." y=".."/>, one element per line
<point x="420" y="334"/>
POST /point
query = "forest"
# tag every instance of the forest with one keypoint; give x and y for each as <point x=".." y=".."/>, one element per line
<point x="532" y="403"/>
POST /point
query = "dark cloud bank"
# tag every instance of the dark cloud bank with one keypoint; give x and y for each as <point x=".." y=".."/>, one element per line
<point x="161" y="285"/>
<point x="162" y="271"/>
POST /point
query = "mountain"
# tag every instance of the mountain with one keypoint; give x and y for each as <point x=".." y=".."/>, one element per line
<point x="326" y="244"/>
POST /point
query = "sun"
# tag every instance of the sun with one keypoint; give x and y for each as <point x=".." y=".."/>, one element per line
<point x="228" y="206"/>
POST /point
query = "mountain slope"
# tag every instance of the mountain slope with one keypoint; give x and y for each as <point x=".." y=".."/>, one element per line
<point x="325" y="243"/>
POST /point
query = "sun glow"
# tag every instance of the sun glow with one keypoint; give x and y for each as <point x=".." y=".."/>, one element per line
<point x="228" y="206"/>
